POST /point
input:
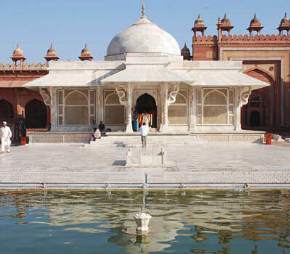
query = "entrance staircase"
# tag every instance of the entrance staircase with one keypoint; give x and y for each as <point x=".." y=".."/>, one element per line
<point x="124" y="139"/>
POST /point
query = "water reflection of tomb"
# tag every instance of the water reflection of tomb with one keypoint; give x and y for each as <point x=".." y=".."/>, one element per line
<point x="200" y="215"/>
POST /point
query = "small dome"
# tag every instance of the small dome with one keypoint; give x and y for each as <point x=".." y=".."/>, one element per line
<point x="225" y="24"/>
<point x="185" y="52"/>
<point x="284" y="24"/>
<point x="143" y="37"/>
<point x="51" y="54"/>
<point x="199" y="25"/>
<point x="255" y="25"/>
<point x="85" y="54"/>
<point x="18" y="54"/>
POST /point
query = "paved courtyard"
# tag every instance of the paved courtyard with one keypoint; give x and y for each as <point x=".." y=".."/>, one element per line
<point x="76" y="165"/>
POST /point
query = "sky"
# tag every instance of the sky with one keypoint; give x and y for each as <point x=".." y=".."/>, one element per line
<point x="69" y="24"/>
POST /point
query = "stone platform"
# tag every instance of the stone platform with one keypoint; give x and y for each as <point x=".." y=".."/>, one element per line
<point x="84" y="137"/>
<point x="102" y="165"/>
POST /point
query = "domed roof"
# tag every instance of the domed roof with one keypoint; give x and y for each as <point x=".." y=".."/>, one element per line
<point x="51" y="54"/>
<point x="18" y="54"/>
<point x="255" y="24"/>
<point x="86" y="54"/>
<point x="226" y="23"/>
<point x="285" y="23"/>
<point x="143" y="37"/>
<point x="199" y="24"/>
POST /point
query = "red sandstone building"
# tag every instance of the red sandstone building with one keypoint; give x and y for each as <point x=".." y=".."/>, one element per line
<point x="266" y="57"/>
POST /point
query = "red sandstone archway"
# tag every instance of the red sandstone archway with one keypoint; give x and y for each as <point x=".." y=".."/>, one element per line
<point x="6" y="111"/>
<point x="35" y="115"/>
<point x="258" y="113"/>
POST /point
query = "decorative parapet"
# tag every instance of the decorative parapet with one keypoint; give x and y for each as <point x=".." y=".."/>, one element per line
<point x="206" y="39"/>
<point x="24" y="67"/>
<point x="251" y="39"/>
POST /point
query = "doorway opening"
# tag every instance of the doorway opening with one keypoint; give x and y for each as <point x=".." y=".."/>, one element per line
<point x="36" y="115"/>
<point x="6" y="111"/>
<point x="145" y="111"/>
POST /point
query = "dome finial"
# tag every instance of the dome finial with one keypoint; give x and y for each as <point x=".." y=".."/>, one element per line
<point x="143" y="9"/>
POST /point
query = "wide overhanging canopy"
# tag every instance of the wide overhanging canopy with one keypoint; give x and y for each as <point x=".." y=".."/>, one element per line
<point x="146" y="75"/>
<point x="205" y="78"/>
<point x="69" y="79"/>
<point x="221" y="78"/>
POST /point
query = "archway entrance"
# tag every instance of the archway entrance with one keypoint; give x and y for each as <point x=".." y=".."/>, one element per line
<point x="35" y="115"/>
<point x="6" y="111"/>
<point x="255" y="119"/>
<point x="145" y="111"/>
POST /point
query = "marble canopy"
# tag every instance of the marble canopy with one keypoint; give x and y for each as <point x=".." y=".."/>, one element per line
<point x="184" y="95"/>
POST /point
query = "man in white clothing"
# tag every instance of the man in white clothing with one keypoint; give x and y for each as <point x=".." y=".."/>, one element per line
<point x="6" y="135"/>
<point x="144" y="133"/>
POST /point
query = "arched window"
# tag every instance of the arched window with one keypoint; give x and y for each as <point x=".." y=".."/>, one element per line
<point x="178" y="112"/>
<point x="114" y="112"/>
<point x="35" y="115"/>
<point x="215" y="106"/>
<point x="215" y="109"/>
<point x="6" y="111"/>
<point x="76" y="108"/>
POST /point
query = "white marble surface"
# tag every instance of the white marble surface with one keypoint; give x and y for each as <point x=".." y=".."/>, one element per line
<point x="215" y="163"/>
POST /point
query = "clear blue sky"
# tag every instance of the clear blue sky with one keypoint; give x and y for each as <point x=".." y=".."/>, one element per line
<point x="69" y="24"/>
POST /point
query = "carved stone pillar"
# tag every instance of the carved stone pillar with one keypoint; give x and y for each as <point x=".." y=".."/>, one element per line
<point x="126" y="101"/>
<point x="99" y="107"/>
<point x="53" y="109"/>
<point x="242" y="95"/>
<point x="192" y="108"/>
<point x="49" y="98"/>
<point x="169" y="96"/>
<point x="129" y="128"/>
<point x="164" y="94"/>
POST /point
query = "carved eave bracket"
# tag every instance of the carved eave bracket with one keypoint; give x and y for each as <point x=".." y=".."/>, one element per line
<point x="172" y="95"/>
<point x="245" y="95"/>
<point x="121" y="92"/>
<point x="46" y="95"/>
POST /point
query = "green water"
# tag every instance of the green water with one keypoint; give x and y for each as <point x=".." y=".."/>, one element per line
<point x="182" y="222"/>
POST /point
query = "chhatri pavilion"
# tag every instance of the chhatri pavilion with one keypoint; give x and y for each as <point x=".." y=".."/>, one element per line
<point x="144" y="77"/>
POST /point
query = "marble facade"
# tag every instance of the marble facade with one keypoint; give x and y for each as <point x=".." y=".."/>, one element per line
<point x="144" y="63"/>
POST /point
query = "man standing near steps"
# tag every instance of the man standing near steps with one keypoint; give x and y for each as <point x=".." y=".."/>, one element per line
<point x="5" y="135"/>
<point x="144" y="133"/>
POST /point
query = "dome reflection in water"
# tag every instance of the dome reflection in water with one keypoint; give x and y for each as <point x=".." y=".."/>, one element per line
<point x="182" y="222"/>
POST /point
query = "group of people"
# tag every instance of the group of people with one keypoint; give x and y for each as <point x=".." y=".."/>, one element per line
<point x="5" y="135"/>
<point x="101" y="131"/>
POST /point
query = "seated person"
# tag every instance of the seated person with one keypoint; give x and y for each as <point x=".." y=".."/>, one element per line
<point x="97" y="135"/>
<point x="102" y="127"/>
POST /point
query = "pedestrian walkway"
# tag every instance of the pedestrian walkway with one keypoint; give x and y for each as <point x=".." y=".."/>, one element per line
<point x="101" y="165"/>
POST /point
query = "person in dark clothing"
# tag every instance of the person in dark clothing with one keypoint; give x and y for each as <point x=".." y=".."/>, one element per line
<point x="102" y="127"/>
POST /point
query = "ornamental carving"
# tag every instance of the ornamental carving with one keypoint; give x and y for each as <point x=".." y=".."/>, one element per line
<point x="45" y="94"/>
<point x="244" y="95"/>
<point x="121" y="92"/>
<point x="172" y="95"/>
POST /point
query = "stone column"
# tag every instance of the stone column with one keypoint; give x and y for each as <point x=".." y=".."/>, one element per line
<point x="164" y="102"/>
<point x="53" y="109"/>
<point x="242" y="95"/>
<point x="129" y="128"/>
<point x="192" y="106"/>
<point x="99" y="108"/>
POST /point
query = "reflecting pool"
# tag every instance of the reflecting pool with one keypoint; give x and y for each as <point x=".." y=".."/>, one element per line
<point x="201" y="222"/>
